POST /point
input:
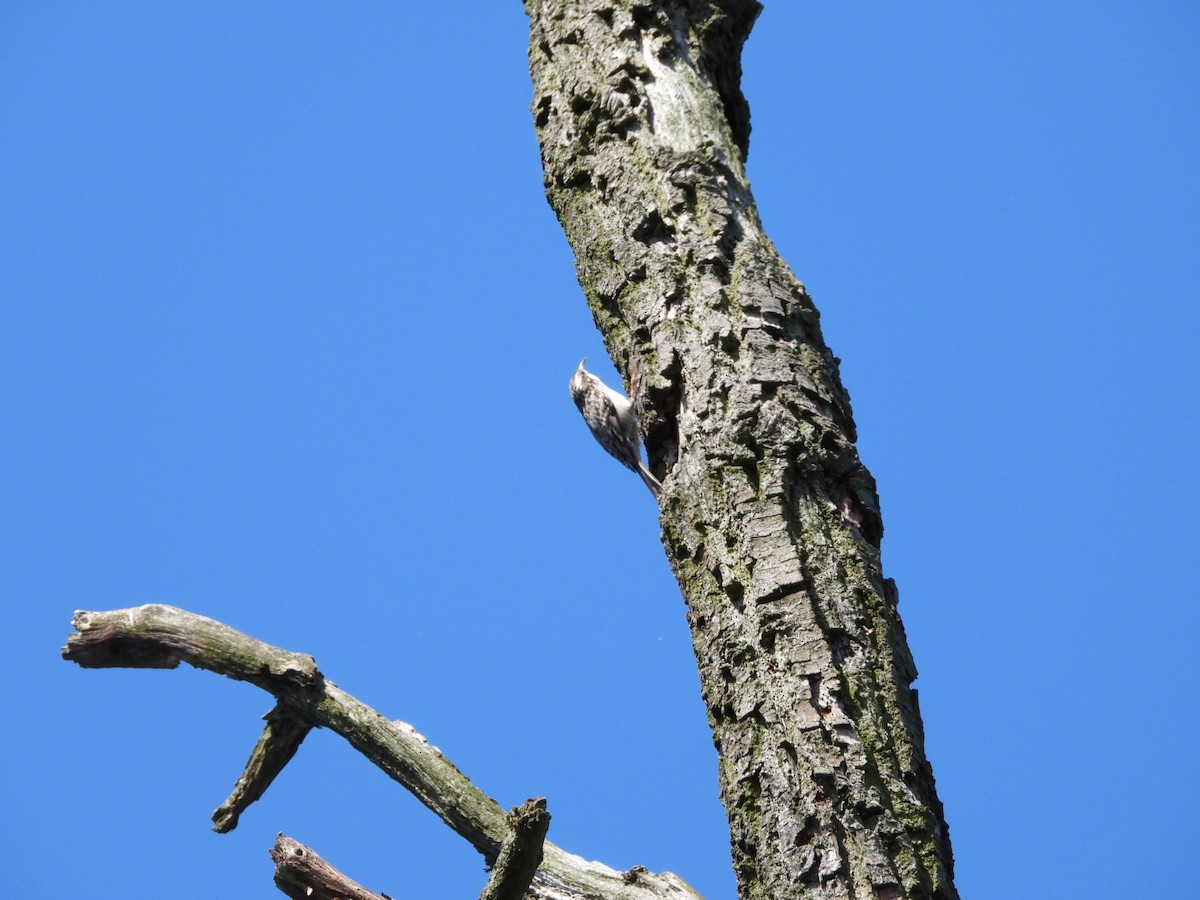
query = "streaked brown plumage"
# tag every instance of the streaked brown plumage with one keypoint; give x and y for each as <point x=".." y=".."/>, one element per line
<point x="613" y="422"/>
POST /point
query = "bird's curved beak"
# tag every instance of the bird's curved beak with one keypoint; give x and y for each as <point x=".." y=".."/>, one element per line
<point x="581" y="362"/>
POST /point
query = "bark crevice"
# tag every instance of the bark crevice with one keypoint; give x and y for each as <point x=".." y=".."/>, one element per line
<point x="770" y="520"/>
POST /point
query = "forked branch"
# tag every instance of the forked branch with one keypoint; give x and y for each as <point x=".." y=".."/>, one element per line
<point x="161" y="637"/>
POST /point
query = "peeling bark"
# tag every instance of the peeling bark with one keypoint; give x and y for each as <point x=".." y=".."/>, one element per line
<point x="770" y="520"/>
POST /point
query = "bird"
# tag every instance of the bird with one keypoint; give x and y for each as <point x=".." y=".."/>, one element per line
<point x="613" y="422"/>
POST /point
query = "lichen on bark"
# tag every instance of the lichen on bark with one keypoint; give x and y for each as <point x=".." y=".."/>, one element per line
<point x="769" y="519"/>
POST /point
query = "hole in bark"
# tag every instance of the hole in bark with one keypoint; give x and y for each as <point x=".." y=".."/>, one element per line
<point x="662" y="428"/>
<point x="825" y="784"/>
<point x="730" y="237"/>
<point x="652" y="229"/>
<point x="647" y="18"/>
<point x="736" y="592"/>
<point x="870" y="818"/>
<point x="807" y="833"/>
<point x="730" y="345"/>
<point x="578" y="178"/>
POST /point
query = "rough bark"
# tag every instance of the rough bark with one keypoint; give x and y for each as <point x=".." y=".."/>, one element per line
<point x="521" y="853"/>
<point x="769" y="519"/>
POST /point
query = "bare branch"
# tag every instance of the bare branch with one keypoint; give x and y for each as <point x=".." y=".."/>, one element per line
<point x="161" y="637"/>
<point x="521" y="853"/>
<point x="280" y="740"/>
<point x="303" y="875"/>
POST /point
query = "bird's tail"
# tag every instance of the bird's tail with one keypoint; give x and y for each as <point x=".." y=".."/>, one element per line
<point x="651" y="481"/>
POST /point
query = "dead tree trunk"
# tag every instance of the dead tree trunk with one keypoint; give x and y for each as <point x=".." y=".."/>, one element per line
<point x="770" y="520"/>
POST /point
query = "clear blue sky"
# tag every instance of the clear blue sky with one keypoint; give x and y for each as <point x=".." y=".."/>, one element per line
<point x="285" y="336"/>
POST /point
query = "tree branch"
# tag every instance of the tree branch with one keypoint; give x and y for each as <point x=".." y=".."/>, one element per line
<point x="280" y="740"/>
<point x="521" y="853"/>
<point x="304" y="875"/>
<point x="159" y="637"/>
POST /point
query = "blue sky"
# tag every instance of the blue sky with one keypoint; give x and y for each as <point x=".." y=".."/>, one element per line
<point x="286" y="331"/>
